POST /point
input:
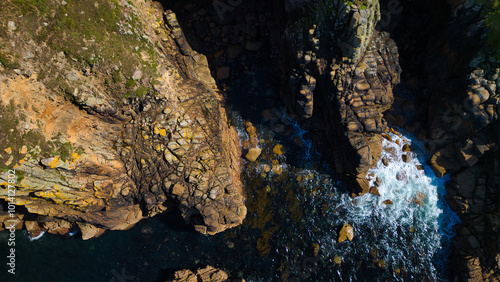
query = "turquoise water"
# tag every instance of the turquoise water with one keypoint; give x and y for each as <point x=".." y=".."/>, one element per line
<point x="295" y="214"/>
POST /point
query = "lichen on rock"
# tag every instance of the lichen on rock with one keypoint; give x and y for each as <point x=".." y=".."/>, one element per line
<point x="107" y="119"/>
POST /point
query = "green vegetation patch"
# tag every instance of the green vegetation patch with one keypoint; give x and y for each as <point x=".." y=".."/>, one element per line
<point x="492" y="22"/>
<point x="96" y="36"/>
<point x="11" y="137"/>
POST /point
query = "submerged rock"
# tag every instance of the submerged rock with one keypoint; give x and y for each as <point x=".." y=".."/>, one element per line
<point x="420" y="198"/>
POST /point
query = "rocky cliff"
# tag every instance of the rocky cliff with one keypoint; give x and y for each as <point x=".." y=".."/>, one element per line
<point x="342" y="80"/>
<point x="108" y="117"/>
<point x="463" y="132"/>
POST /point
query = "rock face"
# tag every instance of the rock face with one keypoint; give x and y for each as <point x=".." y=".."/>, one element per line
<point x="109" y="133"/>
<point x="207" y="274"/>
<point x="343" y="82"/>
<point x="341" y="91"/>
<point x="460" y="116"/>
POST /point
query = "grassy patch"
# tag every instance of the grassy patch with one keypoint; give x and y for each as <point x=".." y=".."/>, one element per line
<point x="11" y="137"/>
<point x="130" y="83"/>
<point x="8" y="63"/>
<point x="93" y="35"/>
<point x="492" y="22"/>
<point x="141" y="91"/>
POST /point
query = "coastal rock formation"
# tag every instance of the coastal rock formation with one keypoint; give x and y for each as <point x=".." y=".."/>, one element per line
<point x="343" y="78"/>
<point x="116" y="121"/>
<point x="454" y="73"/>
<point x="207" y="274"/>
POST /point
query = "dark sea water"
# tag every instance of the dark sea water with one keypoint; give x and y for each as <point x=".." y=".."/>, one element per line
<point x="296" y="209"/>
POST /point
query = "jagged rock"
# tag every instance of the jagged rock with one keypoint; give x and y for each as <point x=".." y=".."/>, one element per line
<point x="374" y="191"/>
<point x="346" y="233"/>
<point x="406" y="148"/>
<point x="406" y="158"/>
<point x="387" y="202"/>
<point x="444" y="161"/>
<point x="355" y="93"/>
<point x="89" y="231"/>
<point x="253" y="154"/>
<point x="107" y="146"/>
<point x="207" y="274"/>
<point x="33" y="228"/>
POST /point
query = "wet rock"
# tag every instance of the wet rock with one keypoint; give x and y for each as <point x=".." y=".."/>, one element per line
<point x="253" y="154"/>
<point x="380" y="263"/>
<point x="316" y="249"/>
<point x="147" y="230"/>
<point x="374" y="191"/>
<point x="346" y="233"/>
<point x="337" y="260"/>
<point x="388" y="137"/>
<point x="56" y="226"/>
<point x="266" y="168"/>
<point x="90" y="231"/>
<point x="420" y="198"/>
<point x="387" y="202"/>
<point x="279" y="128"/>
<point x="277" y="169"/>
<point x="401" y="176"/>
<point x="406" y="147"/>
<point x="233" y="51"/>
<point x="278" y="149"/>
<point x="33" y="228"/>
<point x="444" y="161"/>
<point x="482" y="94"/>
<point x="406" y="158"/>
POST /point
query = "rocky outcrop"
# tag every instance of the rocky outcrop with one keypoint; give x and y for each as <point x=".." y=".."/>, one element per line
<point x="457" y="96"/>
<point x="207" y="274"/>
<point x="343" y="79"/>
<point x="106" y="137"/>
<point x="364" y="94"/>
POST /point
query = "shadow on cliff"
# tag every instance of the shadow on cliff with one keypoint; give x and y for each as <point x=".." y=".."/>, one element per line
<point x="238" y="38"/>
<point x="436" y="44"/>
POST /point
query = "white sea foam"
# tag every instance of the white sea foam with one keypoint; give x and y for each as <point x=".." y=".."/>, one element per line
<point x="409" y="232"/>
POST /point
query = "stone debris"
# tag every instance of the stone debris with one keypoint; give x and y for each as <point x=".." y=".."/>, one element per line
<point x="346" y="233"/>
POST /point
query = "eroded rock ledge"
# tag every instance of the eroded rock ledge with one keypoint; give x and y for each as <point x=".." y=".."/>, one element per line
<point x="206" y="274"/>
<point x="341" y="81"/>
<point x="102" y="139"/>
